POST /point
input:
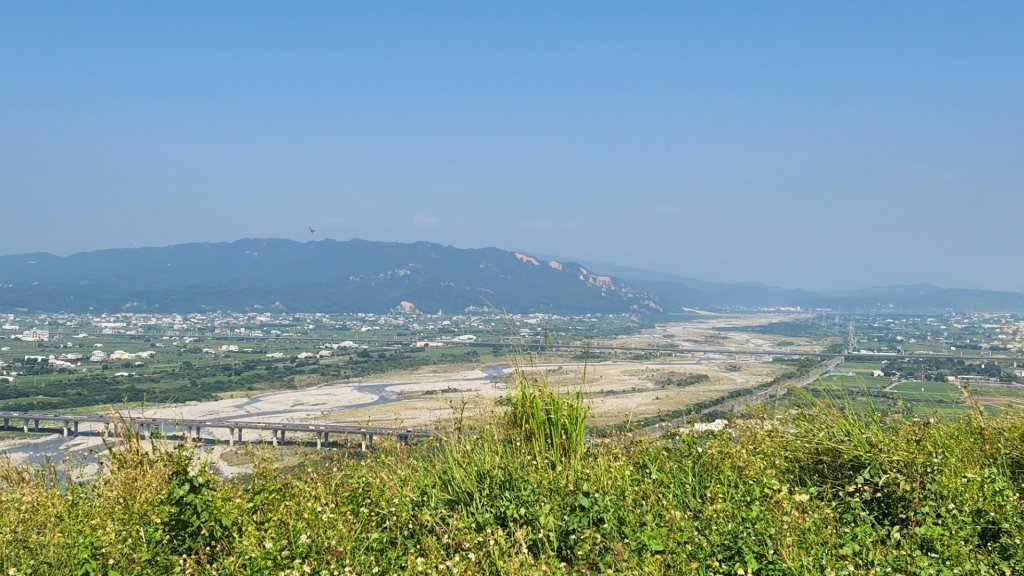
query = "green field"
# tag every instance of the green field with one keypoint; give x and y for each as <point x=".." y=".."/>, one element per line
<point x="856" y="381"/>
<point x="922" y="399"/>
<point x="859" y="367"/>
<point x="865" y="394"/>
<point x="929" y="392"/>
<point x="998" y="391"/>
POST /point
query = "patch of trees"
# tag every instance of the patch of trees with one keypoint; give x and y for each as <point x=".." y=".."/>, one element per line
<point x="199" y="381"/>
<point x="937" y="369"/>
<point x="589" y="356"/>
<point x="34" y="367"/>
<point x="681" y="380"/>
<point x="91" y="391"/>
<point x="801" y="363"/>
<point x="812" y="329"/>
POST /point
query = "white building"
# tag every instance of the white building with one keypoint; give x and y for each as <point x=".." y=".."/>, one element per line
<point x="60" y="364"/>
<point x="35" y="335"/>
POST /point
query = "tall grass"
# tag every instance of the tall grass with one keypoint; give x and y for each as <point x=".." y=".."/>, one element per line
<point x="551" y="424"/>
<point x="821" y="491"/>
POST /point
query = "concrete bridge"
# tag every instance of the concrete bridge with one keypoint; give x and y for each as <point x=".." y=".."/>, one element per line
<point x="191" y="429"/>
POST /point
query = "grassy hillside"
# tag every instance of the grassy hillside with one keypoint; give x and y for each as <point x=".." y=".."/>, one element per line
<point x="825" y="492"/>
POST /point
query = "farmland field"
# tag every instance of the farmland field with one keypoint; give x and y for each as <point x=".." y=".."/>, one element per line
<point x="928" y="391"/>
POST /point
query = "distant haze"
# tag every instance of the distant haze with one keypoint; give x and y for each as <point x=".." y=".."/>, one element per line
<point x="815" y="145"/>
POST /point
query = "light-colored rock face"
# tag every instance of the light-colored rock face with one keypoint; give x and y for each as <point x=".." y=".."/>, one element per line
<point x="407" y="306"/>
<point x="716" y="426"/>
<point x="555" y="265"/>
<point x="526" y="258"/>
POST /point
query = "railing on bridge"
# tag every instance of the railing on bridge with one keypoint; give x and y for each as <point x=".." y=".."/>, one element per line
<point x="193" y="428"/>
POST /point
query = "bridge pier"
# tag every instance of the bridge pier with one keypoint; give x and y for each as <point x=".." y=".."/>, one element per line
<point x="365" y="441"/>
<point x="192" y="430"/>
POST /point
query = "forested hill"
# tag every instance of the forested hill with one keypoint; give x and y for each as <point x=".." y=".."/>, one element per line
<point x="324" y="276"/>
<point x="363" y="276"/>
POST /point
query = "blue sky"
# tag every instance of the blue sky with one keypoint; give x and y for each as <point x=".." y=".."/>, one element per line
<point x="815" y="144"/>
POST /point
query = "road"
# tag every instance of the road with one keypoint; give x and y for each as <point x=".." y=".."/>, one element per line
<point x="756" y="397"/>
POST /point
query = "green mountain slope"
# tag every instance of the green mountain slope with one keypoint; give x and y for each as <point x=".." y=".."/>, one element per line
<point x="326" y="276"/>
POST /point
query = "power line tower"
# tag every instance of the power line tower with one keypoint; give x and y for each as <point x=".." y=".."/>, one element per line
<point x="851" y="337"/>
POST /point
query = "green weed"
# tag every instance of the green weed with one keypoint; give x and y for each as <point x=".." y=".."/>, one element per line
<point x="823" y="490"/>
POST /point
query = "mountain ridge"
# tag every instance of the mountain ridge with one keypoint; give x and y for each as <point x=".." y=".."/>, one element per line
<point x="370" y="276"/>
<point x="676" y="291"/>
<point x="324" y="275"/>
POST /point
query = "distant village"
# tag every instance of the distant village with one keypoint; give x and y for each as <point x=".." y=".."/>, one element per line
<point x="74" y="342"/>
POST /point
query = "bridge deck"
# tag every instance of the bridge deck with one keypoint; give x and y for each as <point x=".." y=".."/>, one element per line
<point x="321" y="432"/>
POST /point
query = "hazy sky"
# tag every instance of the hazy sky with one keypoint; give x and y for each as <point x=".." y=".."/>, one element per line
<point x="813" y="144"/>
